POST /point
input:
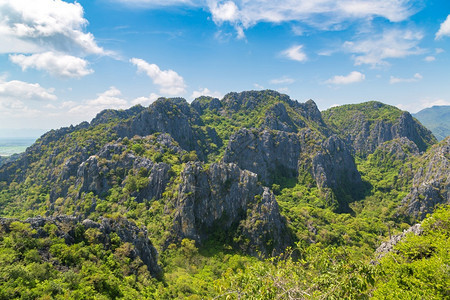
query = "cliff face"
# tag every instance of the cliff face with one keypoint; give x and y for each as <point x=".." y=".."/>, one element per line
<point x="278" y="155"/>
<point x="366" y="126"/>
<point x="128" y="160"/>
<point x="431" y="183"/>
<point x="226" y="199"/>
<point x="72" y="229"/>
<point x="266" y="153"/>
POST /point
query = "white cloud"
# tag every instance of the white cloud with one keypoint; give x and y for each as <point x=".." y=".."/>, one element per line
<point x="169" y="81"/>
<point x="390" y="44"/>
<point x="258" y="86"/>
<point x="30" y="26"/>
<point x="110" y="99"/>
<point x="206" y="92"/>
<point x="439" y="50"/>
<point x="353" y="77"/>
<point x="20" y="90"/>
<point x="57" y="64"/>
<point x="222" y="12"/>
<point x="155" y="3"/>
<point x="415" y="78"/>
<point x="295" y="53"/>
<point x="145" y="101"/>
<point x="414" y="107"/>
<point x="323" y="14"/>
<point x="282" y="80"/>
<point x="430" y="58"/>
<point x="444" y="29"/>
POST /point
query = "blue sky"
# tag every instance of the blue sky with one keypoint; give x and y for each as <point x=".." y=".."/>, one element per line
<point x="61" y="62"/>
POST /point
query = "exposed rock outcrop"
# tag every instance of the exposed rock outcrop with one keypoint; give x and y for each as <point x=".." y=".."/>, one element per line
<point x="68" y="227"/>
<point x="431" y="183"/>
<point x="388" y="246"/>
<point x="277" y="154"/>
<point x="367" y="125"/>
<point x="226" y="199"/>
<point x="266" y="153"/>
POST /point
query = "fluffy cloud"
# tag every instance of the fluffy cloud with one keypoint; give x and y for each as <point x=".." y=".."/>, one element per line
<point x="390" y="44"/>
<point x="444" y="30"/>
<point x="430" y="58"/>
<point x="323" y="14"/>
<point x="415" y="78"/>
<point x="58" y="65"/>
<point x="110" y="99"/>
<point x="169" y="81"/>
<point x="35" y="25"/>
<point x="145" y="101"/>
<point x="282" y="80"/>
<point x="295" y="53"/>
<point x="350" y="78"/>
<point x="21" y="90"/>
<point x="156" y="3"/>
<point x="206" y="92"/>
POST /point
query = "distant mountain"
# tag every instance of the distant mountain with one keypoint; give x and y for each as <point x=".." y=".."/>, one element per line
<point x="437" y="119"/>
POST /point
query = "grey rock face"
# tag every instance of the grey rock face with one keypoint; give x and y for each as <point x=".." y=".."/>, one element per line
<point x="266" y="153"/>
<point x="92" y="175"/>
<point x="127" y="231"/>
<point x="277" y="118"/>
<point x="431" y="183"/>
<point x="388" y="246"/>
<point x="278" y="154"/>
<point x="173" y="116"/>
<point x="366" y="135"/>
<point x="333" y="166"/>
<point x="399" y="149"/>
<point x="225" y="198"/>
<point x="202" y="103"/>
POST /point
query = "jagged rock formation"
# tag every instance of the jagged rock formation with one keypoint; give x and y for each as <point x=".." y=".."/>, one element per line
<point x="266" y="153"/>
<point x="431" y="182"/>
<point x="274" y="155"/>
<point x="68" y="227"/>
<point x="134" y="157"/>
<point x="388" y="246"/>
<point x="367" y="125"/>
<point x="226" y="199"/>
<point x="399" y="149"/>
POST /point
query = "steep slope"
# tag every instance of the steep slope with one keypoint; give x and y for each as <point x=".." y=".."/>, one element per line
<point x="436" y="119"/>
<point x="367" y="125"/>
<point x="431" y="183"/>
<point x="219" y="185"/>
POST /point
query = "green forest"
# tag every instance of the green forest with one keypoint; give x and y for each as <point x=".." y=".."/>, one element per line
<point x="254" y="196"/>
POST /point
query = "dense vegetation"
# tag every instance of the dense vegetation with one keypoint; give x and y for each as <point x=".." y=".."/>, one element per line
<point x="133" y="164"/>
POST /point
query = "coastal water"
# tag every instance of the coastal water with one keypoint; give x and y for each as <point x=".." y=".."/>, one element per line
<point x="10" y="146"/>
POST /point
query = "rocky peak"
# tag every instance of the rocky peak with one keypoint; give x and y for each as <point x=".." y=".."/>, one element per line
<point x="431" y="183"/>
<point x="204" y="102"/>
<point x="367" y="125"/>
<point x="225" y="199"/>
<point x="108" y="115"/>
<point x="250" y="100"/>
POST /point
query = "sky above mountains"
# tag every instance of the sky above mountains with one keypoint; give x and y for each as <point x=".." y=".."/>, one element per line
<point x="64" y="61"/>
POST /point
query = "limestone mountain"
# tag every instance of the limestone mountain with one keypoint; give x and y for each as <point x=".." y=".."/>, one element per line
<point x="177" y="187"/>
<point x="367" y="125"/>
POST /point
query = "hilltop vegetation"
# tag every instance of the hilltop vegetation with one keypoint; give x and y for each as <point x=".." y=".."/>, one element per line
<point x="255" y="195"/>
